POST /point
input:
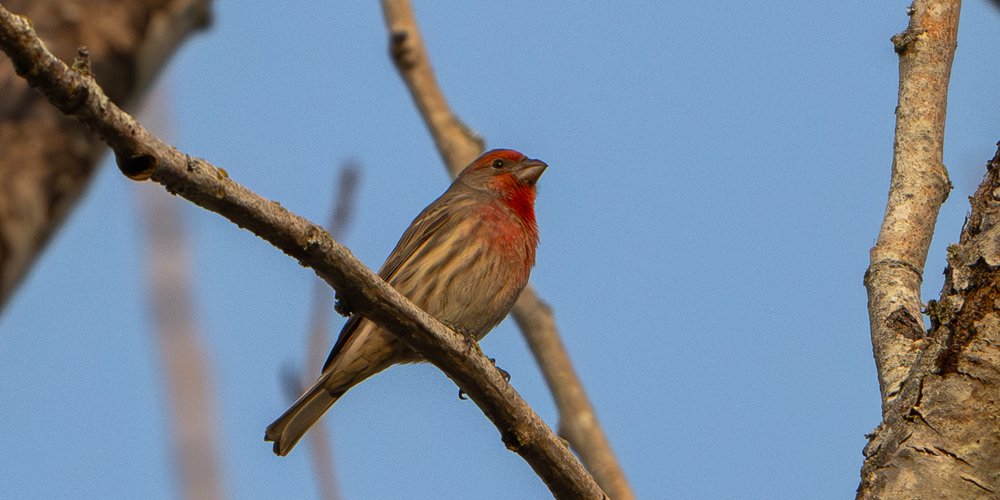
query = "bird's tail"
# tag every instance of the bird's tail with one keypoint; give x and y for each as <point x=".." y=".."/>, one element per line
<point x="289" y="428"/>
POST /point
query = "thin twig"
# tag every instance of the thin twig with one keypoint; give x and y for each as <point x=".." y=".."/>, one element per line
<point x="918" y="187"/>
<point x="458" y="145"/>
<point x="141" y="155"/>
<point x="185" y="365"/>
<point x="319" y="321"/>
<point x="319" y="334"/>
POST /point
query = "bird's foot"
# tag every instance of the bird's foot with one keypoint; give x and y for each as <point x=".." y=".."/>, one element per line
<point x="503" y="373"/>
<point x="341" y="307"/>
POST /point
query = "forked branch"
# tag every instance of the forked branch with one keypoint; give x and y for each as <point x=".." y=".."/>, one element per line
<point x="918" y="187"/>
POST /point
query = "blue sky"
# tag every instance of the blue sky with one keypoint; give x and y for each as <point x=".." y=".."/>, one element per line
<point x="718" y="173"/>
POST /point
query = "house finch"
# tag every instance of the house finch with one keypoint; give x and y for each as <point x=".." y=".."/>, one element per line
<point x="464" y="260"/>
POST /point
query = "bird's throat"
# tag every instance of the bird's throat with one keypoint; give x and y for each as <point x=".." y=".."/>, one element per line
<point x="521" y="201"/>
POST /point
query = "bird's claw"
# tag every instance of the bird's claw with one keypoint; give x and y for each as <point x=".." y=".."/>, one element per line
<point x="503" y="373"/>
<point x="342" y="308"/>
<point x="470" y="342"/>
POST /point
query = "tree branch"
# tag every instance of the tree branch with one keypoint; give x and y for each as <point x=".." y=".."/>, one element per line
<point x="578" y="421"/>
<point x="456" y="142"/>
<point x="140" y="156"/>
<point x="918" y="187"/>
<point x="458" y="145"/>
<point x="185" y="362"/>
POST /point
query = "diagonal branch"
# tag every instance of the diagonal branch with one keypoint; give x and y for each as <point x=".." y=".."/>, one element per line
<point x="458" y="145"/>
<point x="578" y="421"/>
<point x="918" y="187"/>
<point x="140" y="156"/>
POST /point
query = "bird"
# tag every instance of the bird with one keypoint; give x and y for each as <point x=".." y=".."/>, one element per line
<point x="464" y="260"/>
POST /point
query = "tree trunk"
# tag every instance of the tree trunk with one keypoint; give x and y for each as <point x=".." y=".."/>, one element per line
<point x="941" y="436"/>
<point x="46" y="158"/>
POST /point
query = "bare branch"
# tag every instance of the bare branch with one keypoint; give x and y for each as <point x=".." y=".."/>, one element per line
<point x="578" y="421"/>
<point x="939" y="430"/>
<point x="141" y="155"/>
<point x="456" y="142"/>
<point x="918" y="187"/>
<point x="458" y="145"/>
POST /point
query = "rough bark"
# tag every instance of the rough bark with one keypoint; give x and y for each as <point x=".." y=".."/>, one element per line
<point x="141" y="155"/>
<point x="46" y="158"/>
<point x="941" y="437"/>
<point x="940" y="430"/>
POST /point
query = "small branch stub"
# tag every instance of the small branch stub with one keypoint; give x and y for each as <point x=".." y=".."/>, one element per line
<point x="903" y="41"/>
<point x="81" y="63"/>
<point x="138" y="167"/>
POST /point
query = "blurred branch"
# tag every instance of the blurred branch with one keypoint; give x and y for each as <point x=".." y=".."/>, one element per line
<point x="46" y="161"/>
<point x="183" y="357"/>
<point x="918" y="187"/>
<point x="456" y="142"/>
<point x="458" y="146"/>
<point x="184" y="361"/>
<point x="140" y="156"/>
<point x="323" y="298"/>
<point x="320" y="337"/>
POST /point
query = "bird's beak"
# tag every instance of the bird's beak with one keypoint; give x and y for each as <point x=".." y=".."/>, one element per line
<point x="528" y="171"/>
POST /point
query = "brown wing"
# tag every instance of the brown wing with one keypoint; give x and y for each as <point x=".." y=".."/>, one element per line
<point x="423" y="227"/>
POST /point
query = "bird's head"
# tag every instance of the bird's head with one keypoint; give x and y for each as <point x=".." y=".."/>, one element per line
<point x="503" y="171"/>
<point x="507" y="175"/>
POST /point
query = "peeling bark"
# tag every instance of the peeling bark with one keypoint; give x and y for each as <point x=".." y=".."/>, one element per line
<point x="941" y="436"/>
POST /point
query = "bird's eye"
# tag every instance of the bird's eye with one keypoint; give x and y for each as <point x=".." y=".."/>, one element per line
<point x="498" y="163"/>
